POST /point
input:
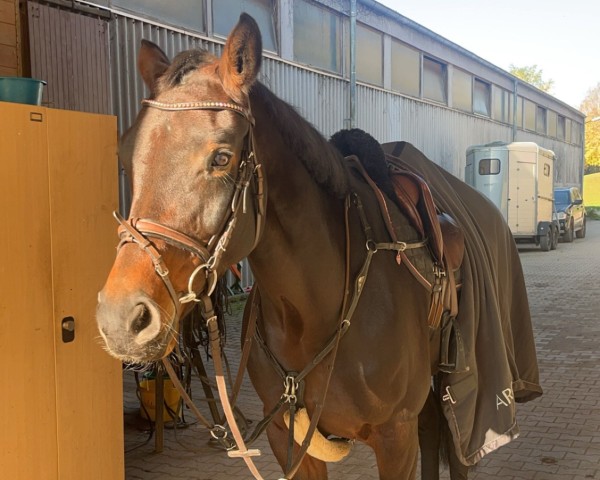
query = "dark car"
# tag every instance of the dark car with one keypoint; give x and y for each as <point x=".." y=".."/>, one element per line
<point x="571" y="212"/>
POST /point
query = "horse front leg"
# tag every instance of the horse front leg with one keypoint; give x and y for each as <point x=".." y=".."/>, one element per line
<point x="396" y="447"/>
<point x="310" y="469"/>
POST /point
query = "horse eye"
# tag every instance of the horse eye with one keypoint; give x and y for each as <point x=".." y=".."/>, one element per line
<point x="221" y="159"/>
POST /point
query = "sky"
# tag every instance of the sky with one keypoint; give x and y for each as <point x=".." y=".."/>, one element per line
<point x="561" y="37"/>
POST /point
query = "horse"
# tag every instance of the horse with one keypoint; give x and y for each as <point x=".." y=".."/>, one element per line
<point x="221" y="169"/>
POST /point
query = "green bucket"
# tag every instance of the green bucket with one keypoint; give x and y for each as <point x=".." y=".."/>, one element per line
<point x="21" y="90"/>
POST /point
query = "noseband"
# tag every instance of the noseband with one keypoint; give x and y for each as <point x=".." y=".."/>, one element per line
<point x="142" y="231"/>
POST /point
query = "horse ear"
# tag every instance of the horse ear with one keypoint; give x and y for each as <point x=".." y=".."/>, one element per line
<point x="242" y="55"/>
<point x="152" y="63"/>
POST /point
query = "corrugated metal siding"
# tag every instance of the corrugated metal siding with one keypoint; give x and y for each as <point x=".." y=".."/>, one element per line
<point x="126" y="37"/>
<point x="320" y="99"/>
<point x="441" y="133"/>
<point x="70" y="52"/>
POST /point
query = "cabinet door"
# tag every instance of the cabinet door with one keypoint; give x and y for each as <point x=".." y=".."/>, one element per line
<point x="28" y="445"/>
<point x="83" y="194"/>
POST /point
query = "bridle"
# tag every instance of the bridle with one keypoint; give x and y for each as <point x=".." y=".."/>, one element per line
<point x="141" y="231"/>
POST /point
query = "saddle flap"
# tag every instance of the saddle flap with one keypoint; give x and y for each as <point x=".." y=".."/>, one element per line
<point x="422" y="212"/>
<point x="454" y="242"/>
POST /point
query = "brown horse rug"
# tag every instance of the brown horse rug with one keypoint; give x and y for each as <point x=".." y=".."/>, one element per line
<point x="493" y="319"/>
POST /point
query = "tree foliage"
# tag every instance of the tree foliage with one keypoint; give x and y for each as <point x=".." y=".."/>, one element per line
<point x="532" y="75"/>
<point x="591" y="107"/>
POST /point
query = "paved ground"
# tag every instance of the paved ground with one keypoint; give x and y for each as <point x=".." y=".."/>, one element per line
<point x="560" y="432"/>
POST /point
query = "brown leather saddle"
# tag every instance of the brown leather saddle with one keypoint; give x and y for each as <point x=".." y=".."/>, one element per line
<point x="412" y="196"/>
<point x="445" y="238"/>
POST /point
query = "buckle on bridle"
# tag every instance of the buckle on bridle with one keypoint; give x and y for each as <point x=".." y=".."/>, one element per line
<point x="291" y="387"/>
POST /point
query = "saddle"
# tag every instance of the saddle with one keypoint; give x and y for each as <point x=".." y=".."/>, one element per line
<point x="444" y="236"/>
<point x="413" y="198"/>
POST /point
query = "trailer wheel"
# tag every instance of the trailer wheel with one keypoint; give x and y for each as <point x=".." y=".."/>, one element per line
<point x="546" y="241"/>
<point x="569" y="232"/>
<point x="581" y="233"/>
<point x="555" y="235"/>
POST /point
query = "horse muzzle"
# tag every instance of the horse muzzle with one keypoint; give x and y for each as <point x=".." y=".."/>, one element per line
<point x="137" y="315"/>
<point x="133" y="328"/>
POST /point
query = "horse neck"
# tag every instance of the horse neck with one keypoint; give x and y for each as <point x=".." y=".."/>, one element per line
<point x="299" y="263"/>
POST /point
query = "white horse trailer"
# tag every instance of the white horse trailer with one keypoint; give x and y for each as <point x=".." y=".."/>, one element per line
<point x="518" y="178"/>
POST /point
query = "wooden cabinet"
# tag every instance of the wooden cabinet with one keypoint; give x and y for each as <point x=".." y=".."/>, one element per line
<point x="61" y="408"/>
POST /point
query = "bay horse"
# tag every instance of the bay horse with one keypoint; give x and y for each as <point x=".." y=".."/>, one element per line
<point x="221" y="170"/>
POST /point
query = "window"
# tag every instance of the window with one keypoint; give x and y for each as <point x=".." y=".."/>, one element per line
<point x="183" y="13"/>
<point x="462" y="90"/>
<point x="551" y="123"/>
<point x="519" y="111"/>
<point x="560" y="128"/>
<point x="546" y="169"/>
<point x="502" y="110"/>
<point x="227" y="12"/>
<point x="406" y="68"/>
<point x="369" y="55"/>
<point x="317" y="36"/>
<point x="529" y="115"/>
<point x="489" y="166"/>
<point x="540" y="120"/>
<point x="576" y="133"/>
<point x="434" y="80"/>
<point x="481" y="97"/>
<point x="568" y="138"/>
<point x="562" y="196"/>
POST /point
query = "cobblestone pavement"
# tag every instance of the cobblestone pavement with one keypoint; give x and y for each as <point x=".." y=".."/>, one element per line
<point x="560" y="432"/>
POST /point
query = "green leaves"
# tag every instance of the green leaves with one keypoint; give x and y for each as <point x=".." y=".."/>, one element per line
<point x="532" y="75"/>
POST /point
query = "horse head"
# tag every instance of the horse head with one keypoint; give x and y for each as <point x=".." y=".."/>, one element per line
<point x="191" y="161"/>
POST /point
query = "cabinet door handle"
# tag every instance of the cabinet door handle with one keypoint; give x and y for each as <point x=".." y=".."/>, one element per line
<point x="68" y="329"/>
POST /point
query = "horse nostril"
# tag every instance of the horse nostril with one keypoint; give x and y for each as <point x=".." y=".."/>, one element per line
<point x="141" y="318"/>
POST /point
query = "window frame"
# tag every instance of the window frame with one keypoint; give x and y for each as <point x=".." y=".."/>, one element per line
<point x="419" y="57"/>
<point x="541" y="112"/>
<point x="340" y="38"/>
<point x="488" y="100"/>
<point x="489" y="170"/>
<point x="275" y="18"/>
<point x="471" y="78"/>
<point x="444" y="78"/>
<point x="379" y="33"/>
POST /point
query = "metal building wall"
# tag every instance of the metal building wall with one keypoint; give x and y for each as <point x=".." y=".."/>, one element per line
<point x="125" y="40"/>
<point x="70" y="51"/>
<point x="442" y="133"/>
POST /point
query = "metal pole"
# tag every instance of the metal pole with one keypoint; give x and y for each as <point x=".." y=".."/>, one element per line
<point x="352" y="63"/>
<point x="514" y="123"/>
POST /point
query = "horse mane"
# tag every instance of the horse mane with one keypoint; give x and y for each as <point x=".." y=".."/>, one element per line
<point x="183" y="64"/>
<point x="322" y="160"/>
